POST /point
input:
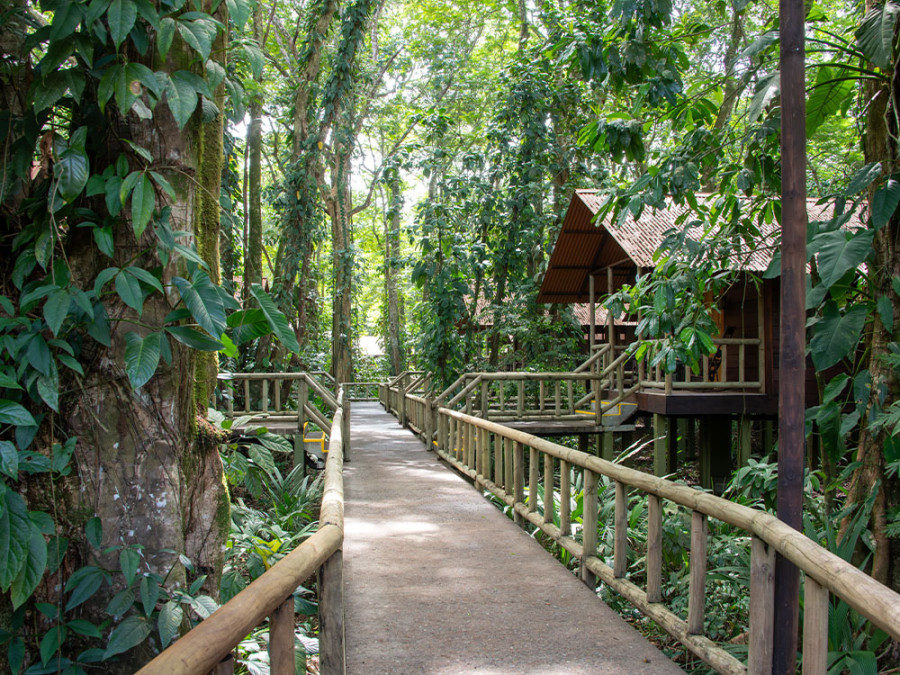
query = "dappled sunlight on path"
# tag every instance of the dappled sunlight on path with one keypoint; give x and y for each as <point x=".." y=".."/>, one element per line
<point x="438" y="581"/>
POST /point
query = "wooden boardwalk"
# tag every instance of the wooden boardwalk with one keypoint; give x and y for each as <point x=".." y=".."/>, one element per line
<point x="437" y="580"/>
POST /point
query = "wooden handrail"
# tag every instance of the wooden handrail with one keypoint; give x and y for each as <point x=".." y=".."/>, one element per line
<point x="202" y="648"/>
<point x="876" y="602"/>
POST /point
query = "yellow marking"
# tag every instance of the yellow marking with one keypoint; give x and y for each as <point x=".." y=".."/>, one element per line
<point x="320" y="441"/>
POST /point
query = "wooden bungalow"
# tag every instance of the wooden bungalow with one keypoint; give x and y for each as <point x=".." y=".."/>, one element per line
<point x="737" y="384"/>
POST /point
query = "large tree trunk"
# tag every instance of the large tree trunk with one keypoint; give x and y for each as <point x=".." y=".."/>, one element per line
<point x="391" y="266"/>
<point x="253" y="262"/>
<point x="342" y="260"/>
<point x="869" y="478"/>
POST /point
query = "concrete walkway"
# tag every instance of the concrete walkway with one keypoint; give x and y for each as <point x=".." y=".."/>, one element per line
<point x="437" y="580"/>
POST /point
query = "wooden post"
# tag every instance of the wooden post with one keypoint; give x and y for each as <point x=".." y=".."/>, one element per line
<point x="589" y="532"/>
<point x="498" y="460"/>
<point x="331" y="615"/>
<point x="302" y="400"/>
<point x="570" y="392"/>
<point x="281" y="639"/>
<point x="762" y="604"/>
<point x="429" y="424"/>
<point x="264" y="396"/>
<point x="744" y="434"/>
<point x="484" y="398"/>
<point x="224" y="667"/>
<point x="345" y="424"/>
<point x="815" y="628"/>
<point x="697" y="597"/>
<point x="277" y="384"/>
<point x="519" y="479"/>
<point x="660" y="445"/>
<point x="592" y="314"/>
<point x="583" y="442"/>
<point x="520" y="402"/>
<point x="565" y="496"/>
<point x="548" y="488"/>
<point x="620" y="545"/>
<point x="401" y="405"/>
<point x="760" y="322"/>
<point x="246" y="395"/>
<point x="607" y="451"/>
<point x="486" y="453"/>
<point x="654" y="549"/>
<point x="533" y="478"/>
<point x="508" y="478"/>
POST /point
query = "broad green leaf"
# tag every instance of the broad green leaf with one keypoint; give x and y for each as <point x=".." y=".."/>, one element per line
<point x="14" y="413"/>
<point x="194" y="338"/>
<point x="239" y="11"/>
<point x="276" y="319"/>
<point x="886" y="312"/>
<point x="56" y="552"/>
<point x="884" y="202"/>
<point x="836" y="336"/>
<point x="830" y="94"/>
<point x="262" y="458"/>
<point x="99" y="327"/>
<point x="165" y="35"/>
<point x="834" y="388"/>
<point x="875" y="35"/>
<point x="143" y="201"/>
<point x="39" y="356"/>
<point x="15" y="534"/>
<point x="30" y="574"/>
<point x="203" y="301"/>
<point x="56" y="309"/>
<point x="150" y="592"/>
<point x="862" y="179"/>
<point x="103" y="237"/>
<point x="181" y="98"/>
<point x="130" y="633"/>
<point x="121" y="602"/>
<point x="169" y="621"/>
<point x="204" y="606"/>
<point x="129" y="289"/>
<point x="48" y="389"/>
<point x="143" y="275"/>
<point x="51" y="642"/>
<point x="768" y="88"/>
<point x="141" y="357"/>
<point x="129" y="559"/>
<point x="840" y="252"/>
<point x="49" y="90"/>
<point x="82" y="585"/>
<point x="66" y="18"/>
<point x="72" y="171"/>
<point x="9" y="459"/>
<point x="84" y="627"/>
<point x="93" y="532"/>
<point x="121" y="16"/>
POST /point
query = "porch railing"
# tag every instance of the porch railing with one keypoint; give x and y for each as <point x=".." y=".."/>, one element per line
<point x="728" y="368"/>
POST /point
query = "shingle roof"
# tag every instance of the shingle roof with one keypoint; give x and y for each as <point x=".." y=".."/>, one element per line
<point x="584" y="245"/>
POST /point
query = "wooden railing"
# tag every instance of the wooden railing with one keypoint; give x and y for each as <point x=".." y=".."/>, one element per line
<point x="266" y="394"/>
<point x="732" y="356"/>
<point x="521" y="396"/>
<point x="362" y="391"/>
<point x="393" y="393"/>
<point x="513" y="464"/>
<point x="209" y="644"/>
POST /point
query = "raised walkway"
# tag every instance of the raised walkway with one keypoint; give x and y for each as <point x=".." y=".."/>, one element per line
<point x="437" y="580"/>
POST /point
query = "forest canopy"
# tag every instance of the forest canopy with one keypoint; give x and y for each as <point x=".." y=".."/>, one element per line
<point x="192" y="186"/>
